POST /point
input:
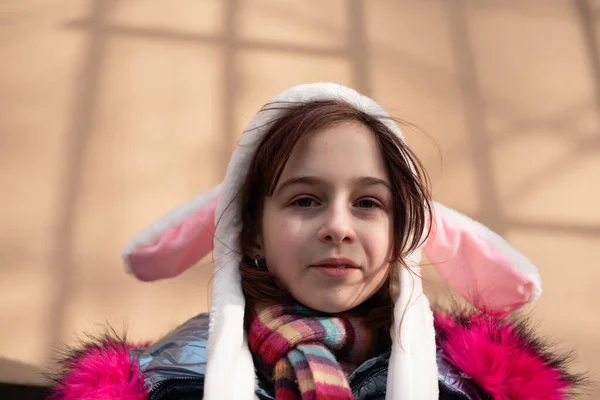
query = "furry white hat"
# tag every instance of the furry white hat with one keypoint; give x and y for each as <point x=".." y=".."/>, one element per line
<point x="476" y="262"/>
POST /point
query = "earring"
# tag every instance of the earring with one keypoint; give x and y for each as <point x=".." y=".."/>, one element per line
<point x="259" y="264"/>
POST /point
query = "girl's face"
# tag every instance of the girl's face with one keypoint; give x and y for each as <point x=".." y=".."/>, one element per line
<point x="327" y="229"/>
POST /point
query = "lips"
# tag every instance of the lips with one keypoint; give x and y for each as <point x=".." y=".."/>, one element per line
<point x="341" y="263"/>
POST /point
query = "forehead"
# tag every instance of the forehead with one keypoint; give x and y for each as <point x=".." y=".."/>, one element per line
<point x="344" y="150"/>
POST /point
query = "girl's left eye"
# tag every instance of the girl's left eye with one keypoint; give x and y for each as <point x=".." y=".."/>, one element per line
<point x="367" y="203"/>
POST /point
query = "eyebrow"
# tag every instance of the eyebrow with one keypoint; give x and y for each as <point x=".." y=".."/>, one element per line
<point x="314" y="181"/>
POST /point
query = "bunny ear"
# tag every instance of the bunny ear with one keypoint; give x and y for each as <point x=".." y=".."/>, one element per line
<point x="480" y="265"/>
<point x="175" y="241"/>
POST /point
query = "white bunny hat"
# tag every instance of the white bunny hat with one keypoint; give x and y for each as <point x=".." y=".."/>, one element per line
<point x="473" y="260"/>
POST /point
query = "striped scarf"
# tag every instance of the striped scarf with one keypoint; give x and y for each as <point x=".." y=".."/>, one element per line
<point x="303" y="351"/>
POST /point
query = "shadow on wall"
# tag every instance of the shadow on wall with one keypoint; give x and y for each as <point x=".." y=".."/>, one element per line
<point x="98" y="31"/>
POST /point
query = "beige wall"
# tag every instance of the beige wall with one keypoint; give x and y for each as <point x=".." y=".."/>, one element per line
<point x="113" y="111"/>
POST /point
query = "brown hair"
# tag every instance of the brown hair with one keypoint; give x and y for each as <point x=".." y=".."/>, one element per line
<point x="411" y="198"/>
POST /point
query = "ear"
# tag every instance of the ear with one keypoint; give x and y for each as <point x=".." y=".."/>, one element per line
<point x="479" y="264"/>
<point x="175" y="241"/>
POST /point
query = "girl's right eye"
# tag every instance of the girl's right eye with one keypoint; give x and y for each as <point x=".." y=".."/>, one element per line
<point x="304" y="202"/>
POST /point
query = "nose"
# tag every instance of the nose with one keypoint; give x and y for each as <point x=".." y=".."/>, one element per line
<point x="337" y="226"/>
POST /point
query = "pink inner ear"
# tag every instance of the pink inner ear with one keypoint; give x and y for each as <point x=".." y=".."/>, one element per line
<point x="486" y="277"/>
<point x="177" y="248"/>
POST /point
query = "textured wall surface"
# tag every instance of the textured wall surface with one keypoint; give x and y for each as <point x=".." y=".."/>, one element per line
<point x="114" y="111"/>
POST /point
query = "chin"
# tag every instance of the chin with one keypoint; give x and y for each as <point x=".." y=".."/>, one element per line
<point x="330" y="306"/>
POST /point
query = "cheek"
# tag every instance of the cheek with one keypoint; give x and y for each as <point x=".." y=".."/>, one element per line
<point x="380" y="240"/>
<point x="282" y="236"/>
<point x="280" y="228"/>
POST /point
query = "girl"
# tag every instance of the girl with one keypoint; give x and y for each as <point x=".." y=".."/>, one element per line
<point x="318" y="230"/>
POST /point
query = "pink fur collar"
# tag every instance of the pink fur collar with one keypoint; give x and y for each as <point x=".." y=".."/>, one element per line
<point x="100" y="370"/>
<point x="504" y="359"/>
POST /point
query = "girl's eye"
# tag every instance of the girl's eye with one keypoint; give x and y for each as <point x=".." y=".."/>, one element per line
<point x="304" y="202"/>
<point x="367" y="203"/>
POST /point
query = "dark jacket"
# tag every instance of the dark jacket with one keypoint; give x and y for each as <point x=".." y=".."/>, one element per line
<point x="478" y="357"/>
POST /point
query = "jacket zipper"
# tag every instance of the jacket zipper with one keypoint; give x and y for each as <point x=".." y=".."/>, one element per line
<point x="359" y="380"/>
<point x="159" y="389"/>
